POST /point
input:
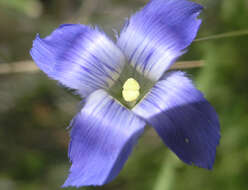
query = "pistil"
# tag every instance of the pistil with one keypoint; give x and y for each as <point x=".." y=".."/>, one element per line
<point x="130" y="90"/>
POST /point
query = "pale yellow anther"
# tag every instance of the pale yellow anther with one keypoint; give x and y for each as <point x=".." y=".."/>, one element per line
<point x="130" y="90"/>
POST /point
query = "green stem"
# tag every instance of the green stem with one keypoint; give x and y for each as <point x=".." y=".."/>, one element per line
<point x="167" y="174"/>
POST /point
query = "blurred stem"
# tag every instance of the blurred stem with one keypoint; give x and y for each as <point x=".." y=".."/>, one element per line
<point x="29" y="66"/>
<point x="167" y="174"/>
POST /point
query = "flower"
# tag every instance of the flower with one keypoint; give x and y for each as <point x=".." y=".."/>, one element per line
<point x="127" y="85"/>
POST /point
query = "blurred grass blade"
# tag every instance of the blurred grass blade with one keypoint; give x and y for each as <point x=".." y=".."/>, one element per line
<point x="223" y="35"/>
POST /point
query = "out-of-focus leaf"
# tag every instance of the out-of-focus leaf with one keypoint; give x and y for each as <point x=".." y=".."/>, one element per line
<point x="31" y="8"/>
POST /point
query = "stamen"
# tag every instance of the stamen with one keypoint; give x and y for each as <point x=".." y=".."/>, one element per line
<point x="131" y="90"/>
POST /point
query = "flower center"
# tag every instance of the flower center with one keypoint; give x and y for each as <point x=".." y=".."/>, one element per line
<point x="130" y="90"/>
<point x="131" y="87"/>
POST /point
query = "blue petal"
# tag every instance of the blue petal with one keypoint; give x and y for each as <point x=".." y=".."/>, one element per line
<point x="183" y="118"/>
<point x="79" y="57"/>
<point x="102" y="137"/>
<point x="158" y="34"/>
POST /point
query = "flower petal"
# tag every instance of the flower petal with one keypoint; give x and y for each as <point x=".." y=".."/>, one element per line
<point x="79" y="57"/>
<point x="155" y="36"/>
<point x="102" y="137"/>
<point x="183" y="118"/>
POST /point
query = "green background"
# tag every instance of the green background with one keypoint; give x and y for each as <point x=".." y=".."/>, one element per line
<point x="35" y="111"/>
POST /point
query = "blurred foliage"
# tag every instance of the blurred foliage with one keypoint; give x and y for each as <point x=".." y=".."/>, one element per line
<point x="28" y="7"/>
<point x="34" y="111"/>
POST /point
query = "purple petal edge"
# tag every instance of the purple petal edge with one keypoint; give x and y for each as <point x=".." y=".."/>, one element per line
<point x="79" y="57"/>
<point x="103" y="135"/>
<point x="183" y="118"/>
<point x="153" y="38"/>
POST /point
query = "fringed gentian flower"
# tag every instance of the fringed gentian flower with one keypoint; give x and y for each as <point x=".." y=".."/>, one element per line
<point x="127" y="85"/>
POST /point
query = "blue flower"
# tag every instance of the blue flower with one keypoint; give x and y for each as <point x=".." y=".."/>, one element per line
<point x="127" y="85"/>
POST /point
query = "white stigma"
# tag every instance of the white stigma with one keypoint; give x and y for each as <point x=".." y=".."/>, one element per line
<point x="130" y="90"/>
